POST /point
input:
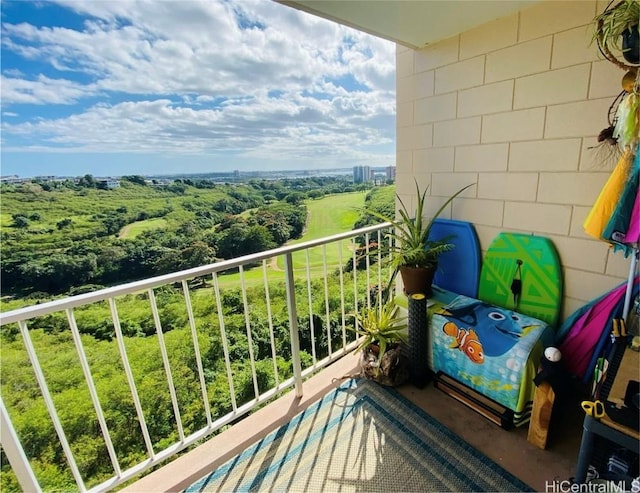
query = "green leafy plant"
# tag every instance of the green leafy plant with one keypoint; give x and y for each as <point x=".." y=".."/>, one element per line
<point x="409" y="245"/>
<point x="379" y="324"/>
<point x="609" y="25"/>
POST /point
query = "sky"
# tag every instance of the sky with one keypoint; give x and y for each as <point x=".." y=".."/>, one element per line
<point x="122" y="87"/>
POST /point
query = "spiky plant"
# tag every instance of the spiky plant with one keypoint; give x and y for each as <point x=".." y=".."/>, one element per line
<point x="409" y="244"/>
<point x="380" y="324"/>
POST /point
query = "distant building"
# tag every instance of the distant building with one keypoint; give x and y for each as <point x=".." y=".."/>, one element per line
<point x="109" y="183"/>
<point x="390" y="172"/>
<point x="362" y="174"/>
<point x="12" y="179"/>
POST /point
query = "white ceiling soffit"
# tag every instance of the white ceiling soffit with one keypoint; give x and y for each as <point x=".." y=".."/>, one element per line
<point x="412" y="23"/>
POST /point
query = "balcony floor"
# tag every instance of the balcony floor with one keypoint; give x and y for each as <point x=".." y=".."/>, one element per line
<point x="510" y="448"/>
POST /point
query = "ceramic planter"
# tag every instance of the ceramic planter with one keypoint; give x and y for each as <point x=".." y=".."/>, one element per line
<point x="417" y="279"/>
<point x="631" y="45"/>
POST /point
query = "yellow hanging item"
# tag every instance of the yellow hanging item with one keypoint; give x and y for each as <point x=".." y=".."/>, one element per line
<point x="606" y="203"/>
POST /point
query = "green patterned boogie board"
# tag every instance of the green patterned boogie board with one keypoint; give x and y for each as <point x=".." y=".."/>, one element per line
<point x="540" y="275"/>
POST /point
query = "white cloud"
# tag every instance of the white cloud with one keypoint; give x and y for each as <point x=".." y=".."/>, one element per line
<point x="43" y="90"/>
<point x="196" y="76"/>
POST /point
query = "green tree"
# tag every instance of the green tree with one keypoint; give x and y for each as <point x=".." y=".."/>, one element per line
<point x="294" y="198"/>
<point x="195" y="255"/>
<point x="87" y="181"/>
<point x="20" y="221"/>
<point x="59" y="271"/>
<point x="64" y="223"/>
<point x="114" y="223"/>
<point x="137" y="179"/>
<point x="231" y="242"/>
<point x="258" y="239"/>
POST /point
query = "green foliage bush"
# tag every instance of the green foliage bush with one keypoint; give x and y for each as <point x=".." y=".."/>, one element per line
<point x="194" y="231"/>
<point x="61" y="367"/>
<point x="107" y="261"/>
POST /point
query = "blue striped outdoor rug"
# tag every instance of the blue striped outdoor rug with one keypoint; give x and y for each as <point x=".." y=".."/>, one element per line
<point x="361" y="437"/>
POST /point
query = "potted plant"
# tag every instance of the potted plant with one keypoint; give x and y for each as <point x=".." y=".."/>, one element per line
<point x="382" y="331"/>
<point x="616" y="29"/>
<point x="410" y="250"/>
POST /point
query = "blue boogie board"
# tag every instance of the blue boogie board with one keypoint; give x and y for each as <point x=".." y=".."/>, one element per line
<point x="459" y="268"/>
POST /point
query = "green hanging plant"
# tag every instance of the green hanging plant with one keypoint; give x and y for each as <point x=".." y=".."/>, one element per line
<point x="609" y="27"/>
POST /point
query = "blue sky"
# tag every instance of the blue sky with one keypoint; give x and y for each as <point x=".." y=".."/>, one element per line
<point x="156" y="87"/>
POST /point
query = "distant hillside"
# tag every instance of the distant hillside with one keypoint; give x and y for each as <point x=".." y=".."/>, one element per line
<point x="69" y="238"/>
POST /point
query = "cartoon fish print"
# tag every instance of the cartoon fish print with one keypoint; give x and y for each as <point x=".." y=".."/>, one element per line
<point x="498" y="329"/>
<point x="466" y="341"/>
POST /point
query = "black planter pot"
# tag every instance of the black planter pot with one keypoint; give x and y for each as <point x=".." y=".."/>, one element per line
<point x="417" y="279"/>
<point x="631" y="45"/>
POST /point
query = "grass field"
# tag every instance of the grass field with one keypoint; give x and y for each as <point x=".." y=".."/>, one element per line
<point x="327" y="216"/>
<point x="132" y="230"/>
<point x="333" y="214"/>
<point x="5" y="219"/>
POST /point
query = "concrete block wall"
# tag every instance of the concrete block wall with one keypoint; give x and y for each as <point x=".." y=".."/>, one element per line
<point x="515" y="106"/>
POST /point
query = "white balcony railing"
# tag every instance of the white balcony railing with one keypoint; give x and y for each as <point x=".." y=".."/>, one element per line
<point x="304" y="274"/>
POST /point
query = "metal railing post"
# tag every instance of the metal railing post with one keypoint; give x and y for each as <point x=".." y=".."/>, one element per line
<point x="293" y="324"/>
<point x="200" y="327"/>
<point x="15" y="453"/>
